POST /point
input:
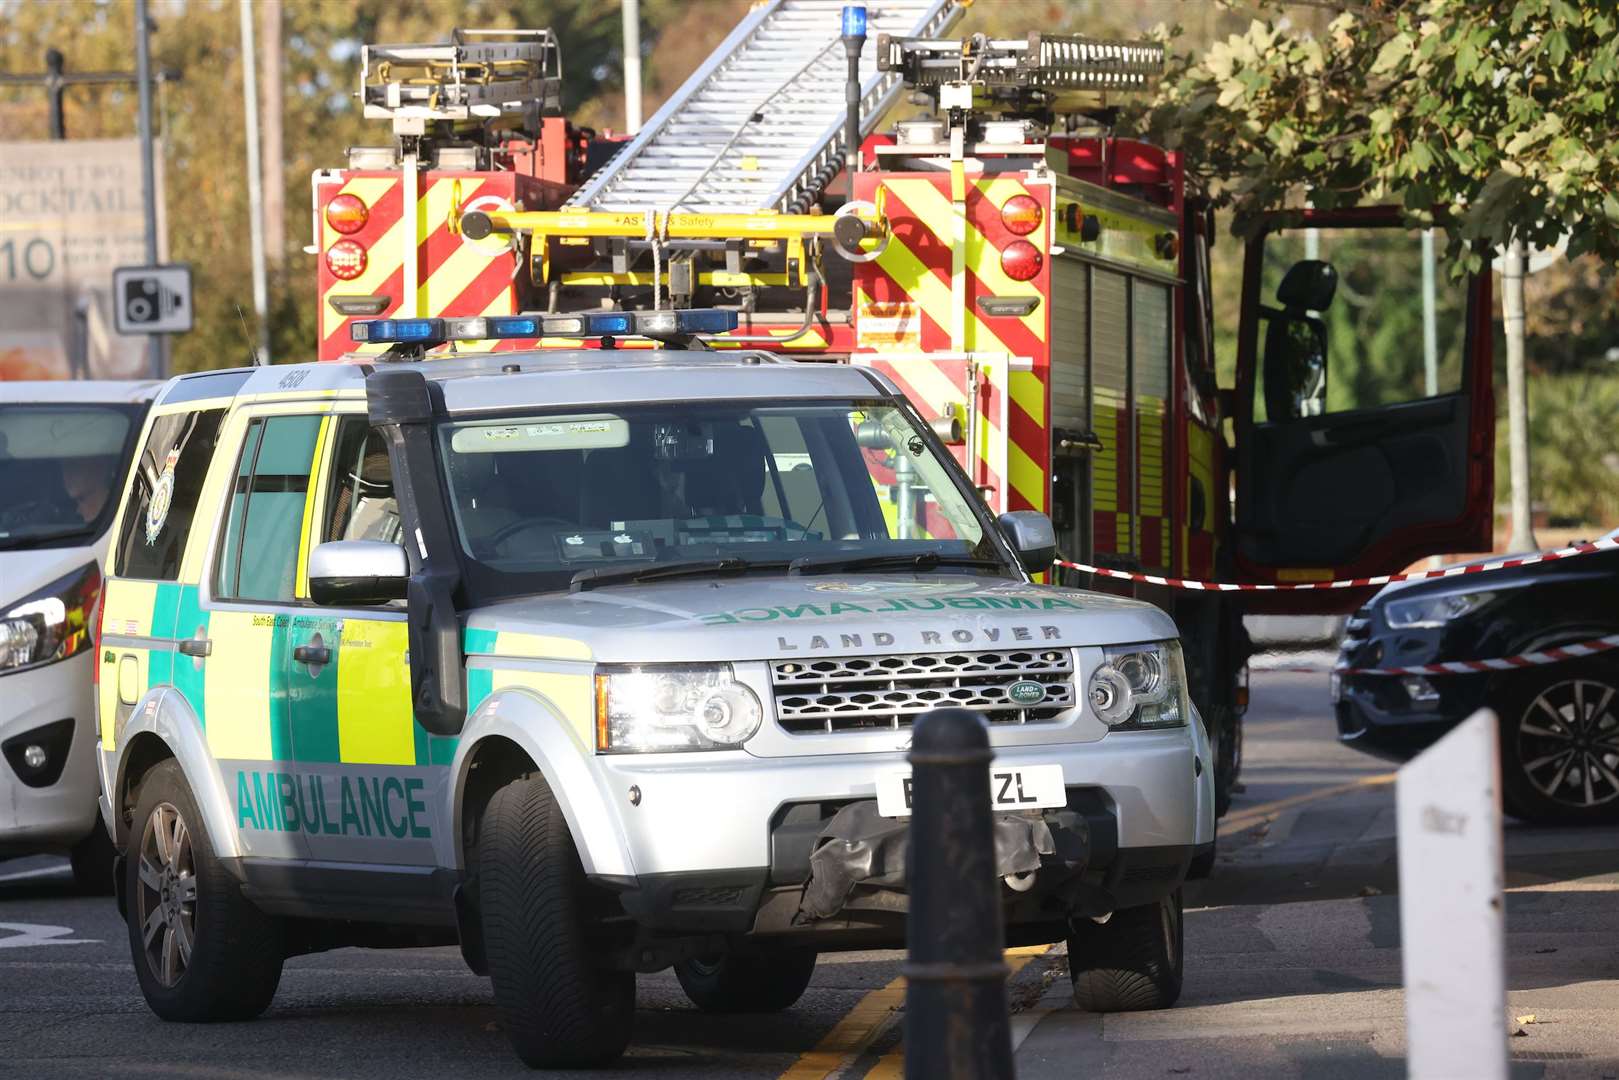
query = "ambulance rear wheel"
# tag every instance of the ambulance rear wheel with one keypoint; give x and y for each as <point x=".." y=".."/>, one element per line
<point x="202" y="951"/>
<point x="756" y="980"/>
<point x="560" y="1006"/>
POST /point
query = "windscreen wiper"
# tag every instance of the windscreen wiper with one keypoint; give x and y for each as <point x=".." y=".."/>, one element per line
<point x="617" y="575"/>
<point x="915" y="560"/>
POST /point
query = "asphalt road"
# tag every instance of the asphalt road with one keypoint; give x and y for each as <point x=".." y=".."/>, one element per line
<point x="1292" y="968"/>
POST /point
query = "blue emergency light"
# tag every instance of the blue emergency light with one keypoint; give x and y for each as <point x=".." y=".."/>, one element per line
<point x="650" y="324"/>
<point x="854" y="21"/>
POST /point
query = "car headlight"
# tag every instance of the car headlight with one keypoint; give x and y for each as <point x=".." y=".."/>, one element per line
<point x="1137" y="687"/>
<point x="51" y="624"/>
<point x="655" y="709"/>
<point x="1426" y="612"/>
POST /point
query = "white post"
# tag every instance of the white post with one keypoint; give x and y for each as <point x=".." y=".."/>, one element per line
<point x="1523" y="529"/>
<point x="631" y="10"/>
<point x="1452" y="906"/>
<point x="1430" y="320"/>
<point x="255" y="184"/>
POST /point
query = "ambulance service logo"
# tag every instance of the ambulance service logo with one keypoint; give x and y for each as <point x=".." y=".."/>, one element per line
<point x="157" y="511"/>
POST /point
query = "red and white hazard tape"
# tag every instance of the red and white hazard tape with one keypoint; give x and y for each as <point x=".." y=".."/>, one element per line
<point x="1607" y="543"/>
<point x="1500" y="663"/>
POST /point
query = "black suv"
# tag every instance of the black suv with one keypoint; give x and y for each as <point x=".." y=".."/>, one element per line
<point x="1559" y="721"/>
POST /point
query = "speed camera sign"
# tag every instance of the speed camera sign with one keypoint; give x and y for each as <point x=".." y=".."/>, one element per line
<point x="152" y="299"/>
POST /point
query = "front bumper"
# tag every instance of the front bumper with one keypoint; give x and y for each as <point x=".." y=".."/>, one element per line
<point x="724" y="842"/>
<point x="62" y="812"/>
<point x="1378" y="715"/>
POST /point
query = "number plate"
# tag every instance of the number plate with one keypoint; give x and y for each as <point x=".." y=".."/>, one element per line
<point x="1023" y="787"/>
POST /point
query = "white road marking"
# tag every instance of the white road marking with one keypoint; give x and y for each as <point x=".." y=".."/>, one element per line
<point x="28" y="935"/>
<point x="43" y="871"/>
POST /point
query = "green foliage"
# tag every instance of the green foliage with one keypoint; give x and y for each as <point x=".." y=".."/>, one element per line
<point x="1574" y="429"/>
<point x="1500" y="114"/>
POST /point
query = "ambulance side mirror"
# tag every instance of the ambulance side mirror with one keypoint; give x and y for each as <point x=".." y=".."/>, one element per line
<point x="1031" y="535"/>
<point x="357" y="572"/>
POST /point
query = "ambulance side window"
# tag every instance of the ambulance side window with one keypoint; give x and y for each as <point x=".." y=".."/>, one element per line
<point x="360" y="504"/>
<point x="258" y="558"/>
<point x="168" y="479"/>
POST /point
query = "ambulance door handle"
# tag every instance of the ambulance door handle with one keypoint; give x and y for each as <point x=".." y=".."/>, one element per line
<point x="195" y="646"/>
<point x="312" y="654"/>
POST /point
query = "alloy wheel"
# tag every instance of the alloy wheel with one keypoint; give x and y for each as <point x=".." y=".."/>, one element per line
<point x="166" y="898"/>
<point x="1568" y="743"/>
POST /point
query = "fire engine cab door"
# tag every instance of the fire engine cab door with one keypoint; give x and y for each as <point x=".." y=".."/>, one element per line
<point x="1364" y="414"/>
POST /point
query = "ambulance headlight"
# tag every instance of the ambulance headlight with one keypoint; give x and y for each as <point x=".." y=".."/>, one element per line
<point x="663" y="708"/>
<point x="1138" y="687"/>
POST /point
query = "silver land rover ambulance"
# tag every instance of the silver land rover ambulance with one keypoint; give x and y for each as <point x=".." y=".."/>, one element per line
<point x="602" y="661"/>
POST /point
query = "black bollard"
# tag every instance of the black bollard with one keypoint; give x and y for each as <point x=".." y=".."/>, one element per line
<point x="956" y="1025"/>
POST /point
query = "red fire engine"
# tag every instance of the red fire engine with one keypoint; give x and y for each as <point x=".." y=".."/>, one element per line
<point x="1039" y="285"/>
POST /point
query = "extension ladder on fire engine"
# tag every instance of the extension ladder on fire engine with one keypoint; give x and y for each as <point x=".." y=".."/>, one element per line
<point x="759" y="126"/>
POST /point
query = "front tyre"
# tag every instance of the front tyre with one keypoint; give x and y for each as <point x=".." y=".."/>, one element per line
<point x="202" y="951"/>
<point x="1560" y="745"/>
<point x="1131" y="962"/>
<point x="754" y="980"/>
<point x="560" y="1007"/>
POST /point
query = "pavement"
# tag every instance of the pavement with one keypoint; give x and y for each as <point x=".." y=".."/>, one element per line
<point x="1293" y="968"/>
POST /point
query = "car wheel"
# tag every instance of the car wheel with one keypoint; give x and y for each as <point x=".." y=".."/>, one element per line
<point x="560" y="1006"/>
<point x="92" y="860"/>
<point x="1131" y="962"/>
<point x="1227" y="738"/>
<point x="202" y="951"/>
<point x="1560" y="746"/>
<point x="757" y="980"/>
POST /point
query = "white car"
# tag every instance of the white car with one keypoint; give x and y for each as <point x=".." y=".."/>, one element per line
<point x="64" y="450"/>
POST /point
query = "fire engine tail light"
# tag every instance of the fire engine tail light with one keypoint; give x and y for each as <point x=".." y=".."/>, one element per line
<point x="1021" y="260"/>
<point x="347" y="213"/>
<point x="1021" y="214"/>
<point x="346" y="260"/>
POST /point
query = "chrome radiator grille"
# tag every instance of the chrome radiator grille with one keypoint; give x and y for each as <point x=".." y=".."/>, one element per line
<point x="857" y="693"/>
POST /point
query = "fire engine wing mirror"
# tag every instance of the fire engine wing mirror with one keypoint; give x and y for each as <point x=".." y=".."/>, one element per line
<point x="1295" y="366"/>
<point x="1032" y="537"/>
<point x="361" y="572"/>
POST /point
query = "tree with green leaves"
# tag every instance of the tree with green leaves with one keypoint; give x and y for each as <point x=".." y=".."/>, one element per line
<point x="1501" y="114"/>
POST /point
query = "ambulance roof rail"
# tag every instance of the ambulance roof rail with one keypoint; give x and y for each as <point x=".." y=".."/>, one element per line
<point x="1051" y="62"/>
<point x="759" y="125"/>
<point x="472" y="76"/>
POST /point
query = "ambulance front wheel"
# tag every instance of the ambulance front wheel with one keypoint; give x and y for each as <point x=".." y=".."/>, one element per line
<point x="561" y="1005"/>
<point x="202" y="951"/>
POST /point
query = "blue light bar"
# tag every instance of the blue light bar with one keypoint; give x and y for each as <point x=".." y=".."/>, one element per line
<point x="653" y="324"/>
<point x="854" y="21"/>
<point x="609" y="322"/>
<point x="706" y="321"/>
<point x="398" y="330"/>
<point x="505" y="326"/>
